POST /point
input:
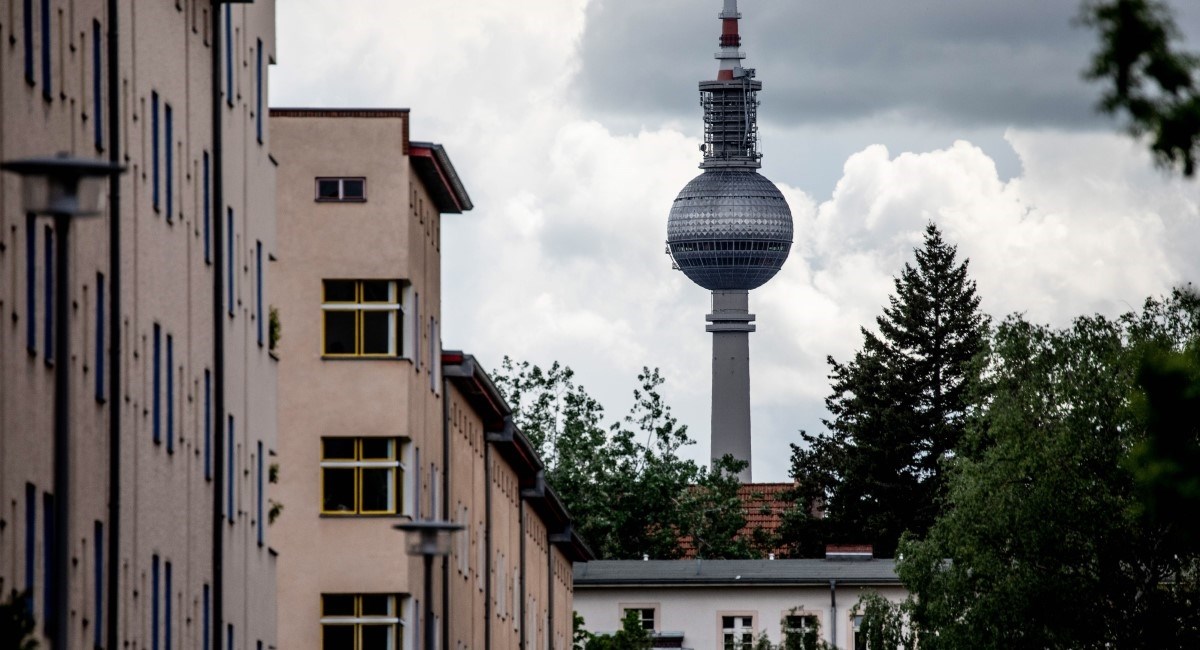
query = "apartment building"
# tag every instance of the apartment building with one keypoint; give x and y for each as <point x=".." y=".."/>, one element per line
<point x="380" y="426"/>
<point x="173" y="384"/>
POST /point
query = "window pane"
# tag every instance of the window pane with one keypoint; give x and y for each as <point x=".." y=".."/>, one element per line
<point x="337" y="605"/>
<point x="377" y="332"/>
<point x="340" y="291"/>
<point x="376" y="605"/>
<point x="352" y="189"/>
<point x="377" y="448"/>
<point x="376" y="291"/>
<point x="339" y="332"/>
<point x="339" y="490"/>
<point x="337" y="637"/>
<point x="337" y="449"/>
<point x="377" y="490"/>
<point x="377" y="637"/>
<point x="327" y="189"/>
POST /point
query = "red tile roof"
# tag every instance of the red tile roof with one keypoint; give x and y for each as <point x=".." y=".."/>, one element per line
<point x="763" y="505"/>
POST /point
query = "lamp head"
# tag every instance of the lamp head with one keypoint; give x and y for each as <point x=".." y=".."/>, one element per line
<point x="429" y="537"/>
<point x="62" y="185"/>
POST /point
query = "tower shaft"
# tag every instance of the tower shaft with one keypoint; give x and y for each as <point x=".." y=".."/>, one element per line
<point x="730" y="324"/>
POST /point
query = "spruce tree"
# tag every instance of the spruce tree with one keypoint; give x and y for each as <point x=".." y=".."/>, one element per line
<point x="897" y="409"/>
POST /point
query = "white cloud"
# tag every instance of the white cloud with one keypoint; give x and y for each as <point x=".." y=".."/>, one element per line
<point x="563" y="256"/>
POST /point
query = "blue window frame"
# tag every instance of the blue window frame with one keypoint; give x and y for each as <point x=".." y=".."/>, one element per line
<point x="156" y="400"/>
<point x="261" y="524"/>
<point x="169" y="158"/>
<point x="30" y="285"/>
<point x="258" y="90"/>
<point x="28" y="34"/>
<point x="97" y="89"/>
<point x="100" y="351"/>
<point x="170" y="394"/>
<point x="98" y="581"/>
<point x="48" y="295"/>
<point x="229" y="257"/>
<point x="258" y="293"/>
<point x="208" y="429"/>
<point x="205" y="631"/>
<point x="154" y="595"/>
<point x="154" y="147"/>
<point x="46" y="94"/>
<point x="229" y="453"/>
<point x="49" y="579"/>
<point x="417" y="331"/>
<point x="167" y="605"/>
<point x="229" y="636"/>
<point x="229" y="54"/>
<point x="207" y="214"/>
<point x="30" y="540"/>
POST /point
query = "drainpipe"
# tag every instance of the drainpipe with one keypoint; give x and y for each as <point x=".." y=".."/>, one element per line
<point x="487" y="542"/>
<point x="445" y="499"/>
<point x="218" y="322"/>
<point x="833" y="612"/>
<point x="114" y="331"/>
<point x="550" y="591"/>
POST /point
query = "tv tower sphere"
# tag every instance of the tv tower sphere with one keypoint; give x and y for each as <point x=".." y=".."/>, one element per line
<point x="730" y="231"/>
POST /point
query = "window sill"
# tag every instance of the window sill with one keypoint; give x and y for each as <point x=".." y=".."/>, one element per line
<point x="338" y="357"/>
<point x="340" y="200"/>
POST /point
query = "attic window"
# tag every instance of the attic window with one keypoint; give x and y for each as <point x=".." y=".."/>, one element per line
<point x="349" y="190"/>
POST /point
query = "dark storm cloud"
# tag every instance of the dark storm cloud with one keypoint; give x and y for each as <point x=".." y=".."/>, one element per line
<point x="971" y="62"/>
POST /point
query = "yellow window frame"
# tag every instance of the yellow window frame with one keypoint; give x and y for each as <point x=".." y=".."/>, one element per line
<point x="359" y="463"/>
<point x="358" y="307"/>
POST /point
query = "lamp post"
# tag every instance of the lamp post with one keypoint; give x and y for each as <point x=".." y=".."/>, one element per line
<point x="429" y="539"/>
<point x="63" y="188"/>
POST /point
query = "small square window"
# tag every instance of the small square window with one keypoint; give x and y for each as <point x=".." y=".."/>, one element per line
<point x="349" y="190"/>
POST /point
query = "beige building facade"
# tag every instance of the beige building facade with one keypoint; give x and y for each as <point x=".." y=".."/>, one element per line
<point x="379" y="426"/>
<point x="170" y="291"/>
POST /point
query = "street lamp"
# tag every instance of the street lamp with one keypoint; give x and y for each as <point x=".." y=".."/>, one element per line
<point x="63" y="188"/>
<point x="429" y="539"/>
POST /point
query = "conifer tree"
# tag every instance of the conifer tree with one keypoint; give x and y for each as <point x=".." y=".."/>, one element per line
<point x="898" y="408"/>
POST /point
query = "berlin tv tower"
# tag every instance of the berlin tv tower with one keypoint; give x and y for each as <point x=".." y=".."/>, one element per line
<point x="730" y="231"/>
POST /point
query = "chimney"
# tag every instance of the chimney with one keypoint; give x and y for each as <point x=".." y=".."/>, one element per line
<point x="854" y="552"/>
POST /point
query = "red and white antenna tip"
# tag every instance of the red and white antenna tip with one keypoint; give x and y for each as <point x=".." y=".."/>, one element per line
<point x="731" y="40"/>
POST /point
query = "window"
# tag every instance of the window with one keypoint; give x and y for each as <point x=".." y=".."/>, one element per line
<point x="258" y="293"/>
<point x="258" y="90"/>
<point x="229" y="68"/>
<point x="154" y="602"/>
<point x="97" y="91"/>
<point x="170" y="394"/>
<point x="259" y="494"/>
<point x="361" y="318"/>
<point x="169" y="160"/>
<point x="46" y="94"/>
<point x="167" y="606"/>
<point x="206" y="644"/>
<point x="360" y="476"/>
<point x="156" y="400"/>
<point x="860" y="640"/>
<point x="644" y="614"/>
<point x="48" y="295"/>
<point x="99" y="365"/>
<point x="208" y="428"/>
<point x="30" y="285"/>
<point x="341" y="189"/>
<point x="28" y="34"/>
<point x="207" y="214"/>
<point x="30" y="539"/>
<point x="360" y="622"/>
<point x="800" y="631"/>
<point x="154" y="146"/>
<point x="98" y="581"/>
<point x="737" y="632"/>
<point x="229" y="260"/>
<point x="229" y="453"/>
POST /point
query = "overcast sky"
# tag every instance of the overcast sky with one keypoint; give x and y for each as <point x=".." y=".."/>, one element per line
<point x="573" y="124"/>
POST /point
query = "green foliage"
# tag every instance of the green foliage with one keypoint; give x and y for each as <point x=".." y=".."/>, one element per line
<point x="1148" y="80"/>
<point x="631" y="636"/>
<point x="579" y="635"/>
<point x="275" y="328"/>
<point x="898" y="408"/>
<point x="1044" y="542"/>
<point x="624" y="484"/>
<point x="885" y="625"/>
<point x="16" y="623"/>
